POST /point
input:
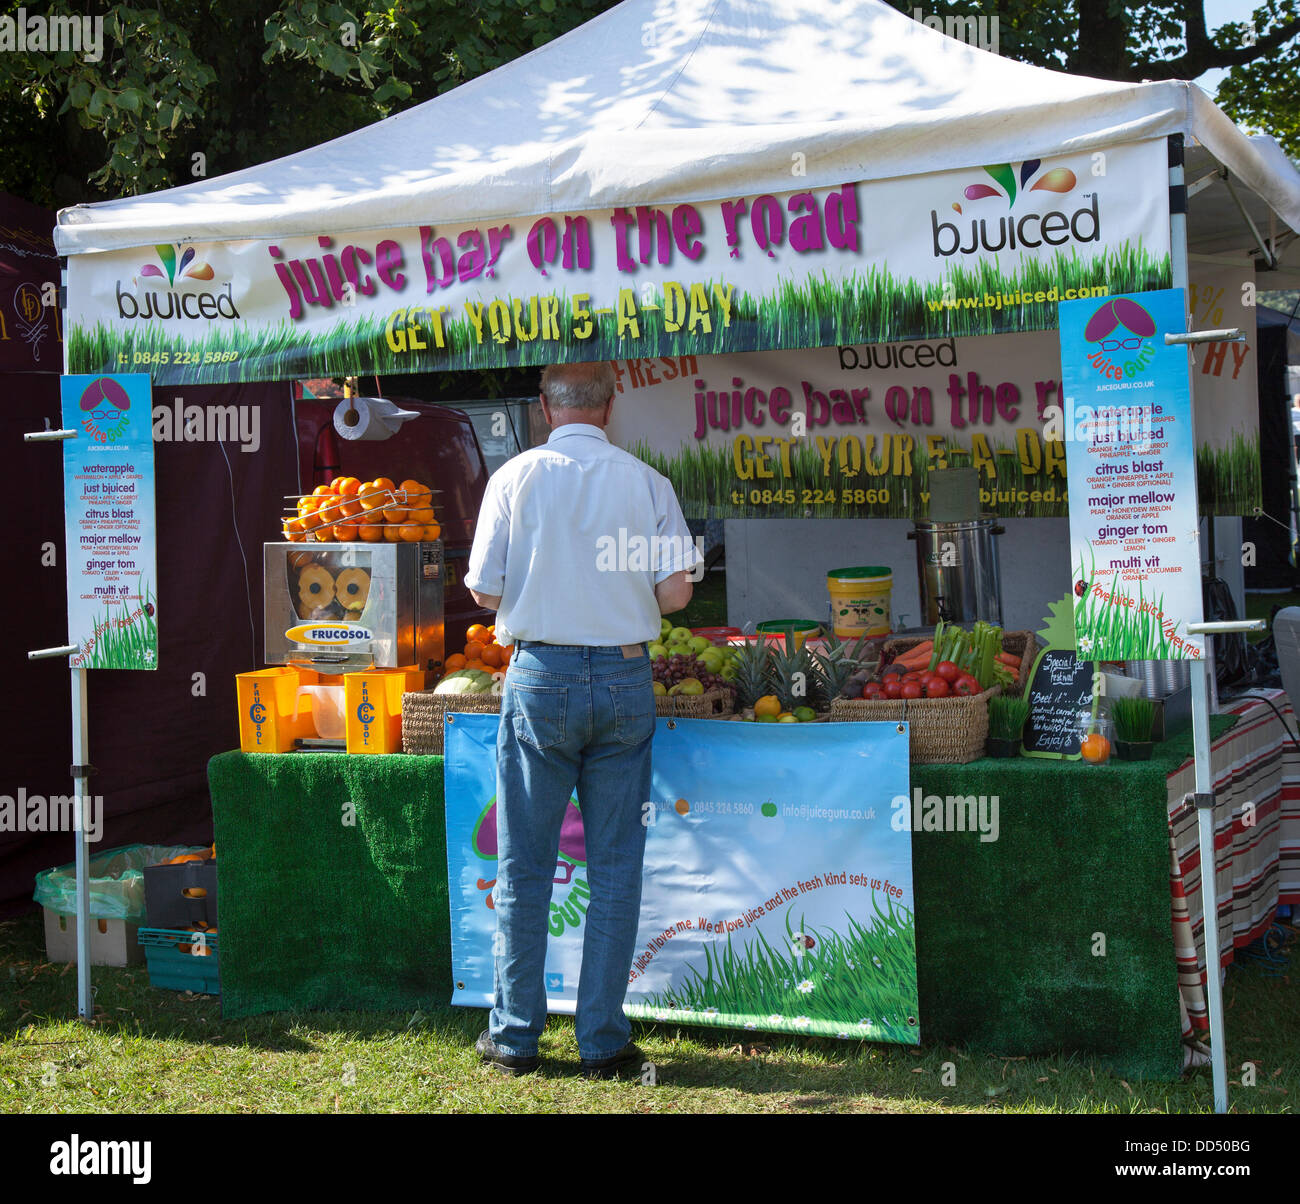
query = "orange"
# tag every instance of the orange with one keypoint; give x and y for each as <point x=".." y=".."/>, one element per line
<point x="507" y="651"/>
<point x="383" y="483"/>
<point x="294" y="531"/>
<point x="324" y="533"/>
<point x="492" y="656"/>
<point x="422" y="514"/>
<point x="392" y="533"/>
<point x="349" y="509"/>
<point x="330" y="511"/>
<point x="345" y="532"/>
<point x="476" y="631"/>
<point x="308" y="515"/>
<point x="323" y="491"/>
<point x="1095" y="748"/>
<point x="455" y="661"/>
<point x="395" y="514"/>
<point x="432" y="531"/>
<point x="347" y="486"/>
<point x="416" y="493"/>
<point x="474" y="650"/>
<point x="371" y="532"/>
<point x="371" y="497"/>
<point x="412" y="532"/>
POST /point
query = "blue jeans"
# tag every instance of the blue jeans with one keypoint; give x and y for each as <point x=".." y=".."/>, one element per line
<point x="571" y="718"/>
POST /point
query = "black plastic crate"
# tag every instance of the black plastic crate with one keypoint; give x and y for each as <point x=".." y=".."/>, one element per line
<point x="166" y="903"/>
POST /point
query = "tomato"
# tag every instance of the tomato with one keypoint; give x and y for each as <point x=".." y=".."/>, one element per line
<point x="911" y="689"/>
<point x="893" y="687"/>
<point x="966" y="686"/>
<point x="948" y="671"/>
<point x="873" y="689"/>
<point x="936" y="687"/>
<point x="915" y="675"/>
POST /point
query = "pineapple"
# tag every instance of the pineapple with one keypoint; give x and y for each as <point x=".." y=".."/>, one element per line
<point x="832" y="668"/>
<point x="751" y="663"/>
<point x="792" y="677"/>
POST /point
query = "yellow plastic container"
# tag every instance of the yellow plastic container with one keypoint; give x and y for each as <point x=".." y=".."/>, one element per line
<point x="372" y="702"/>
<point x="774" y="631"/>
<point x="269" y="716"/>
<point x="860" y="601"/>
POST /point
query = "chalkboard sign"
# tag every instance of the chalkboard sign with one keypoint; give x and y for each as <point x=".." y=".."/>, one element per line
<point x="1059" y="688"/>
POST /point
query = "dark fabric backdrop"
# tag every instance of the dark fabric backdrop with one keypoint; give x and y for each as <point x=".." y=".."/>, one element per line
<point x="150" y="734"/>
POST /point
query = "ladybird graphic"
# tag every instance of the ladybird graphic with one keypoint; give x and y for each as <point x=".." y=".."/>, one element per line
<point x="1079" y="587"/>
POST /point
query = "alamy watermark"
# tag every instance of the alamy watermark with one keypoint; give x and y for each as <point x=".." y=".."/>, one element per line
<point x="23" y="812"/>
<point x="949" y="813"/>
<point x="179" y="423"/>
<point x="84" y="35"/>
<point x="633" y="553"/>
<point x="978" y="31"/>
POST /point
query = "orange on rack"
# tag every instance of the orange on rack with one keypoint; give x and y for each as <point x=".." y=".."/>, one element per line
<point x="417" y="494"/>
<point x="370" y="532"/>
<point x="412" y="532"/>
<point x="347" y="486"/>
<point x="294" y="531"/>
<point x="392" y="533"/>
<point x="323" y="491"/>
<point x="395" y="514"/>
<point x="432" y="531"/>
<point x="345" y="532"/>
<point x="383" y="483"/>
<point x="350" y="509"/>
<point x="422" y="514"/>
<point x="308" y="513"/>
<point x="372" y="497"/>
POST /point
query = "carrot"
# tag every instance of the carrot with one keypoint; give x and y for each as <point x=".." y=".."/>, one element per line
<point x="916" y="658"/>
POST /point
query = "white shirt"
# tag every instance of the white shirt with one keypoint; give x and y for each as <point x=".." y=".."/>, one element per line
<point x="574" y="536"/>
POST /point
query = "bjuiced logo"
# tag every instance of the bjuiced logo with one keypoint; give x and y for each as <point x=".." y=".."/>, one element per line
<point x="1053" y="228"/>
<point x="172" y="301"/>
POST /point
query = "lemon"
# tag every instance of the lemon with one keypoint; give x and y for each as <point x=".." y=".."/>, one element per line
<point x="769" y="704"/>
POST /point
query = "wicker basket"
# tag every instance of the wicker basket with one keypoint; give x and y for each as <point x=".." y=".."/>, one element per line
<point x="712" y="704"/>
<point x="942" y="731"/>
<point x="423" y="712"/>
<point x="1017" y="643"/>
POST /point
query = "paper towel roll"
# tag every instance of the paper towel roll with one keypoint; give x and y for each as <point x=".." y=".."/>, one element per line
<point x="373" y="418"/>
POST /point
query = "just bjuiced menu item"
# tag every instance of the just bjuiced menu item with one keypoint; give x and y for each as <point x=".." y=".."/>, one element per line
<point x="1131" y="467"/>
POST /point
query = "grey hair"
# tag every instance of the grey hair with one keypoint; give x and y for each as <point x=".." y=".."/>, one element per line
<point x="578" y="386"/>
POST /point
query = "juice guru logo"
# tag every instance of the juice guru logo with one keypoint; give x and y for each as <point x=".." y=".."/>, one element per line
<point x="104" y="405"/>
<point x="1031" y="230"/>
<point x="1123" y="329"/>
<point x="178" y="267"/>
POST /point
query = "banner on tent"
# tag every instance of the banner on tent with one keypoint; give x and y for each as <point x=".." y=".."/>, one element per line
<point x="1135" y="544"/>
<point x="983" y="250"/>
<point x="778" y="879"/>
<point x="111" y="548"/>
<point x="854" y="431"/>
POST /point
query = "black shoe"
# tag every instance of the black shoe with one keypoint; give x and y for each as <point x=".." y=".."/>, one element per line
<point x="502" y="1061"/>
<point x="607" y="1068"/>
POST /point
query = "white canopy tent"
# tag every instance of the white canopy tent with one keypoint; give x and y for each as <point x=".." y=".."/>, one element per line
<point x="662" y="102"/>
<point x="668" y="100"/>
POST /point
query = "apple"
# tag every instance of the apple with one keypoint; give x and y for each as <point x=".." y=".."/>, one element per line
<point x="660" y="688"/>
<point x="657" y="651"/>
<point x="698" y="644"/>
<point x="664" y="627"/>
<point x="680" y="635"/>
<point x="690" y="685"/>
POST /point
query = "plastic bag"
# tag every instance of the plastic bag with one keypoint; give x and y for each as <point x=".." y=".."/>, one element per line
<point x="116" y="882"/>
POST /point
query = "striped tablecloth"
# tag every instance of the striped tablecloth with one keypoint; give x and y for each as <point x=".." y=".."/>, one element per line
<point x="1257" y="864"/>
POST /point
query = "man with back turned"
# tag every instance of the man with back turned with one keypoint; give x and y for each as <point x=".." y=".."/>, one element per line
<point x="577" y="711"/>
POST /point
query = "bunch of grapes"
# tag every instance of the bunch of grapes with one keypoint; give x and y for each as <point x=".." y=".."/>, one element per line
<point x="672" y="669"/>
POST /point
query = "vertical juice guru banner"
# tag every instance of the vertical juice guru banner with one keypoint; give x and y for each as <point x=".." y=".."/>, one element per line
<point x="1131" y="465"/>
<point x="777" y="892"/>
<point x="108" y="504"/>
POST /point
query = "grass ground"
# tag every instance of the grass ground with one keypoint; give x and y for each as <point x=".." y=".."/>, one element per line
<point x="153" y="1051"/>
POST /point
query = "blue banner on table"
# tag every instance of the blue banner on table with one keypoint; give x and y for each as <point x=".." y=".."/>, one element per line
<point x="108" y="503"/>
<point x="1131" y="464"/>
<point x="777" y="891"/>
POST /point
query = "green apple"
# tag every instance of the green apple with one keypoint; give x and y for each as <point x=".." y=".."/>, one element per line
<point x="679" y="635"/>
<point x="804" y="714"/>
<point x="698" y="644"/>
<point x="657" y="651"/>
<point x="664" y="627"/>
<point x="660" y="689"/>
<point x="690" y="685"/>
<point x="728" y="672"/>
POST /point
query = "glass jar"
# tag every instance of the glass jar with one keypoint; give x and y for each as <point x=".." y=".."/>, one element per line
<point x="1096" y="738"/>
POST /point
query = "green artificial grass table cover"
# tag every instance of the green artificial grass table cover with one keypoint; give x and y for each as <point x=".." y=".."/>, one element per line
<point x="1056" y="935"/>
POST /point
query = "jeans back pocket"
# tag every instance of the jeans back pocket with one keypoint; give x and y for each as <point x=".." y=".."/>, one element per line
<point x="634" y="712"/>
<point x="538" y="714"/>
